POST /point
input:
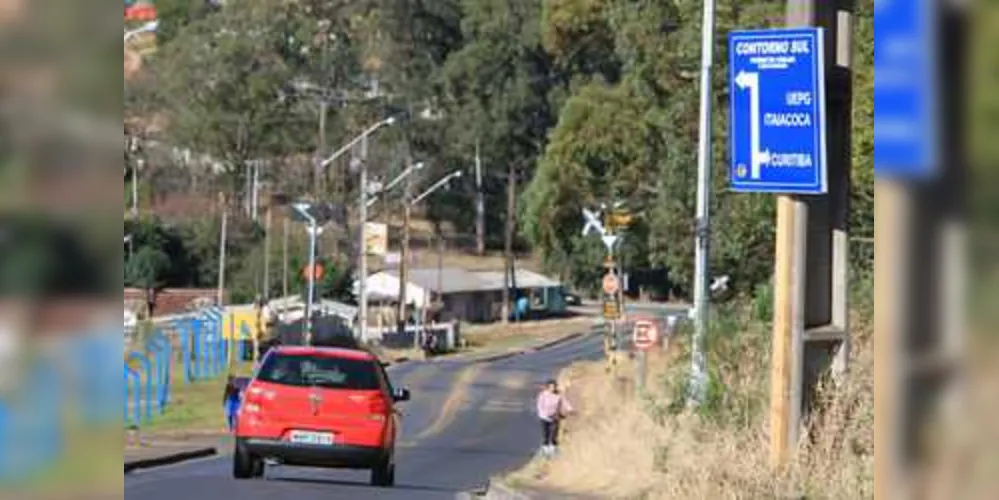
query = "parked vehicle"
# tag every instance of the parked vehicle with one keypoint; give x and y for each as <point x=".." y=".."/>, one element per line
<point x="319" y="407"/>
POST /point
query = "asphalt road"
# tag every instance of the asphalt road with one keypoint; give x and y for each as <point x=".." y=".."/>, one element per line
<point x="466" y="423"/>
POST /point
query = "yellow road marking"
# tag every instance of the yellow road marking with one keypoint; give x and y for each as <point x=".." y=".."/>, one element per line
<point x="419" y="375"/>
<point x="503" y="407"/>
<point x="514" y="381"/>
<point x="449" y="410"/>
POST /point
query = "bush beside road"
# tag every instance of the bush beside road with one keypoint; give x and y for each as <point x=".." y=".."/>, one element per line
<point x="620" y="447"/>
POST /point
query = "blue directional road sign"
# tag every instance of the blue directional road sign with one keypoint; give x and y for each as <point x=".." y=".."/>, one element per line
<point x="905" y="134"/>
<point x="778" y="110"/>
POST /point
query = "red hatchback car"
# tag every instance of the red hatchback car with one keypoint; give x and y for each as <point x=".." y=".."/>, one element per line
<point x="319" y="407"/>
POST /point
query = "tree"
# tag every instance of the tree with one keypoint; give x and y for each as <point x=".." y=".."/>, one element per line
<point x="174" y="15"/>
<point x="146" y="270"/>
<point x="501" y="94"/>
<point x="222" y="86"/>
<point x="580" y="36"/>
<point x="637" y="140"/>
<point x="862" y="220"/>
<point x="601" y="152"/>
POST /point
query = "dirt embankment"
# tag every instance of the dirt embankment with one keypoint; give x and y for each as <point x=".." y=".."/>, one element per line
<point x="621" y="446"/>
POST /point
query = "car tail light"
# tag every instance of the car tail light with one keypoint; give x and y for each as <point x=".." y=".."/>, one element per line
<point x="377" y="408"/>
<point x="256" y="398"/>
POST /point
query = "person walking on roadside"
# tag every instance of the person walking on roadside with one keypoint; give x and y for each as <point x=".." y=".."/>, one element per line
<point x="230" y="403"/>
<point x="429" y="342"/>
<point x="553" y="407"/>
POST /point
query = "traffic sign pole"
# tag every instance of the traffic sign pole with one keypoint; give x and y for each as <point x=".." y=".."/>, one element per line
<point x="699" y="368"/>
<point x="613" y="291"/>
<point x="313" y="229"/>
<point x="641" y="359"/>
<point x="645" y="337"/>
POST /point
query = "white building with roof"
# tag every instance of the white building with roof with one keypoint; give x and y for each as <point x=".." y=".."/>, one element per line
<point x="472" y="296"/>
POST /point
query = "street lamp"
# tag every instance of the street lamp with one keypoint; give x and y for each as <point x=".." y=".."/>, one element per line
<point x="440" y="264"/>
<point x="441" y="183"/>
<point x="303" y="209"/>
<point x="363" y="233"/>
<point x="128" y="241"/>
<point x="364" y="135"/>
<point x="145" y="28"/>
<point x="395" y="182"/>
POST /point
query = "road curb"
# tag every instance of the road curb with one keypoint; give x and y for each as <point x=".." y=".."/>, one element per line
<point x="396" y="362"/>
<point x="500" y="491"/>
<point x="494" y="491"/>
<point x="543" y="347"/>
<point x="170" y="459"/>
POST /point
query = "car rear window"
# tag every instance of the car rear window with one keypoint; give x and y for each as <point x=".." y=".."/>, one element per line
<point x="319" y="371"/>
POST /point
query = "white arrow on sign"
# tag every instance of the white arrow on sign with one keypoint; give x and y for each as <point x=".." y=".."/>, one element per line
<point x="746" y="80"/>
<point x="592" y="223"/>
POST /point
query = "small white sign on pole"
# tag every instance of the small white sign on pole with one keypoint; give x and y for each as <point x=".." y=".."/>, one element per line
<point x="610" y="241"/>
<point x="376" y="238"/>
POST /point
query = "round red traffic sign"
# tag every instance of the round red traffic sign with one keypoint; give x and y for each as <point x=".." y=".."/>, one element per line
<point x="611" y="284"/>
<point x="317" y="272"/>
<point x="646" y="334"/>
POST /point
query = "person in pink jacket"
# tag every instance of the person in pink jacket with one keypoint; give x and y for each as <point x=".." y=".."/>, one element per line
<point x="553" y="406"/>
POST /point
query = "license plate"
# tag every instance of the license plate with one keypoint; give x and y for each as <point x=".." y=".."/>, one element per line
<point x="311" y="438"/>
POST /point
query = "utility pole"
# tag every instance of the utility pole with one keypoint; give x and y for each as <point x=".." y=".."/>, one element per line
<point x="223" y="240"/>
<point x="248" y="195"/>
<point x="362" y="249"/>
<point x="136" y="165"/>
<point x="284" y="272"/>
<point x="255" y="192"/>
<point x="920" y="379"/>
<point x="480" y="206"/>
<point x="408" y="194"/>
<point x="317" y="181"/>
<point x="407" y="212"/>
<point x="811" y="285"/>
<point x="441" y="243"/>
<point x="267" y="248"/>
<point x="511" y="207"/>
<point x="699" y="368"/>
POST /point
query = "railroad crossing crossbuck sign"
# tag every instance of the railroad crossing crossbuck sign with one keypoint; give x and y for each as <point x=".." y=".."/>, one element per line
<point x="778" y="117"/>
<point x="646" y="335"/>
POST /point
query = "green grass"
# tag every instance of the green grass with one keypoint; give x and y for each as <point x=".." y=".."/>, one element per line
<point x="196" y="406"/>
<point x="90" y="464"/>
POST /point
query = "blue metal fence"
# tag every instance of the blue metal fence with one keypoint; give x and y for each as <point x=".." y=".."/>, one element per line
<point x="79" y="377"/>
<point x="70" y="379"/>
<point x="196" y="346"/>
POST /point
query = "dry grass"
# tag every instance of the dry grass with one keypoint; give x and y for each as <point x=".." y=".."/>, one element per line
<point x="620" y="446"/>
